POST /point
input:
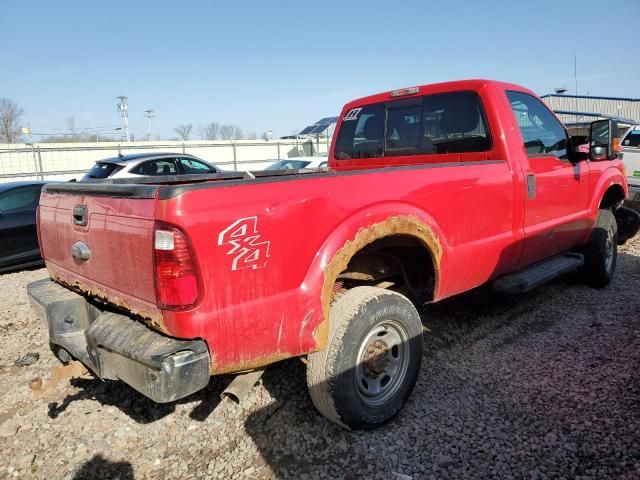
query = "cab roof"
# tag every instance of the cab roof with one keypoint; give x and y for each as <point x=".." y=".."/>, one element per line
<point x="443" y="87"/>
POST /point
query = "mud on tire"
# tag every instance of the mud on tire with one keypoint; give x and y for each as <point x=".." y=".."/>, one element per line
<point x="372" y="359"/>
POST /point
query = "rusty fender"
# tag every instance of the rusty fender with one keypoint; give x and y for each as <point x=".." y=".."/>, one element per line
<point x="396" y="225"/>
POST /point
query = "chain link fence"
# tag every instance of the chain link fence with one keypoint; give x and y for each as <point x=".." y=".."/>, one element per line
<point x="67" y="161"/>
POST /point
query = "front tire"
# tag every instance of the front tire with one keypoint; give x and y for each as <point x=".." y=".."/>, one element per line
<point x="601" y="253"/>
<point x="372" y="359"/>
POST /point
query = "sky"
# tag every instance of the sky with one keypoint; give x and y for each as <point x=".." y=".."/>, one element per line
<point x="282" y="65"/>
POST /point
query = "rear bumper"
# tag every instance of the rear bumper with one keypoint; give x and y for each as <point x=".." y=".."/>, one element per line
<point x="114" y="346"/>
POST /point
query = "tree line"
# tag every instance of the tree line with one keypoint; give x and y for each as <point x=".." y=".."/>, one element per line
<point x="11" y="120"/>
<point x="212" y="131"/>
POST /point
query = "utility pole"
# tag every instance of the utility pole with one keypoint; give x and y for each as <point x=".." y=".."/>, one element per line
<point x="149" y="114"/>
<point x="124" y="113"/>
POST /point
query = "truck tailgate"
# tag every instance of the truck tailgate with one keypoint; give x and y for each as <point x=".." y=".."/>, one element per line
<point x="116" y="233"/>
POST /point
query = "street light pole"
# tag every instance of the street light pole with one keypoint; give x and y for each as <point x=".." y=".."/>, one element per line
<point x="149" y="114"/>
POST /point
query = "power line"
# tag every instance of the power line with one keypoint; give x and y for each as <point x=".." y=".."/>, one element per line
<point x="82" y="129"/>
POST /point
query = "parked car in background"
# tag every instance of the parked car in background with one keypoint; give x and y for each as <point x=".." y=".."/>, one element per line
<point x="631" y="158"/>
<point x="18" y="234"/>
<point x="296" y="163"/>
<point x="149" y="165"/>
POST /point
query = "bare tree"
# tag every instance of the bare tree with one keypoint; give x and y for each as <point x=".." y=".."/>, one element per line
<point x="210" y="131"/>
<point x="231" y="132"/>
<point x="71" y="125"/>
<point x="252" y="136"/>
<point x="10" y="119"/>
<point x="184" y="130"/>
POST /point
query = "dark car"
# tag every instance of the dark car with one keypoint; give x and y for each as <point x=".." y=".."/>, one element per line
<point x="18" y="235"/>
<point x="149" y="165"/>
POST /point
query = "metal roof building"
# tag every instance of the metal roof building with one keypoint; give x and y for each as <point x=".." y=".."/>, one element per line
<point x="579" y="110"/>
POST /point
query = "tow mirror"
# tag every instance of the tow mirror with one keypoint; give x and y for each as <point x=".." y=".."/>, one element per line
<point x="604" y="143"/>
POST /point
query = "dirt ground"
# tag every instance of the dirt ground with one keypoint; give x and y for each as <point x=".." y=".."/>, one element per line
<point x="542" y="385"/>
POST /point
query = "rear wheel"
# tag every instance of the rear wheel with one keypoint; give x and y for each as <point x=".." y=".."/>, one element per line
<point x="601" y="253"/>
<point x="372" y="359"/>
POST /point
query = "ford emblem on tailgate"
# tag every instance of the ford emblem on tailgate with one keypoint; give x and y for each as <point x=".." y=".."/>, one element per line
<point x="81" y="251"/>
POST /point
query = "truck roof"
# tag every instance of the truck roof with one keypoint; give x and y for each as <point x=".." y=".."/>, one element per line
<point x="443" y="87"/>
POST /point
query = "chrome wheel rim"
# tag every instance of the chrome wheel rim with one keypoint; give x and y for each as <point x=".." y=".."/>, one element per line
<point x="609" y="249"/>
<point x="383" y="359"/>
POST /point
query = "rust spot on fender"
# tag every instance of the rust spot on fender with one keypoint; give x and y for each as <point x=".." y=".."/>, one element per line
<point x="151" y="319"/>
<point x="397" y="225"/>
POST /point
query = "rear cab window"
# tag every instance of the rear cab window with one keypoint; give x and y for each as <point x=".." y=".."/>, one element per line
<point x="432" y="124"/>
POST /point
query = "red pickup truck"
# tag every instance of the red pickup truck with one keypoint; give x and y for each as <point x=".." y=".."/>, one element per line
<point x="431" y="191"/>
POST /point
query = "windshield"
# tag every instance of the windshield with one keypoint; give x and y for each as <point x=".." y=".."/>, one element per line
<point x="288" y="165"/>
<point x="102" y="170"/>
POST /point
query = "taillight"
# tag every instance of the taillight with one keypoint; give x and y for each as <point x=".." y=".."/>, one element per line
<point x="175" y="269"/>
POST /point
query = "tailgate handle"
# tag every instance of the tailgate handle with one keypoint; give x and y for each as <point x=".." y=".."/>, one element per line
<point x="80" y="215"/>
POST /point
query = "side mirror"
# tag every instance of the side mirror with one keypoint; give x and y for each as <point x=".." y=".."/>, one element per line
<point x="604" y="143"/>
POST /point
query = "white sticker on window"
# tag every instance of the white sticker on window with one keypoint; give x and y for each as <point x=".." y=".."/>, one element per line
<point x="352" y="114"/>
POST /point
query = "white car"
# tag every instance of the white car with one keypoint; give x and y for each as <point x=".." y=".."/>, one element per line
<point x="149" y="165"/>
<point x="631" y="158"/>
<point x="295" y="163"/>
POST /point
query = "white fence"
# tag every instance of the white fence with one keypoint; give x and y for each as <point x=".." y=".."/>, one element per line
<point x="65" y="161"/>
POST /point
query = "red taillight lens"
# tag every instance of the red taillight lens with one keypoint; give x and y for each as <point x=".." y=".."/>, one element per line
<point x="176" y="276"/>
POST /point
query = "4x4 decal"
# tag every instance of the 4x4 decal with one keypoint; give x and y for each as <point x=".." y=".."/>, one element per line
<point x="247" y="249"/>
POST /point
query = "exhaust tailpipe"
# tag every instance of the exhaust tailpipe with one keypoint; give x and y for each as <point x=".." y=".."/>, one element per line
<point x="240" y="386"/>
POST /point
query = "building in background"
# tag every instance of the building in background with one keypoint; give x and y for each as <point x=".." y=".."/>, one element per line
<point x="578" y="111"/>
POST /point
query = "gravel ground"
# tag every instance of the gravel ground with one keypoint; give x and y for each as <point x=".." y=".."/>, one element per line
<point x="543" y="385"/>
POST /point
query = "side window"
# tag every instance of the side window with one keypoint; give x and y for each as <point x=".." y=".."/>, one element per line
<point x="542" y="133"/>
<point x="632" y="139"/>
<point x="191" y="166"/>
<point x="22" y="199"/>
<point x="156" y="167"/>
<point x="362" y="133"/>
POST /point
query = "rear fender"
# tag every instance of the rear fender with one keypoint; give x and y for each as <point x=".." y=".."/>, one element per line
<point x="360" y="229"/>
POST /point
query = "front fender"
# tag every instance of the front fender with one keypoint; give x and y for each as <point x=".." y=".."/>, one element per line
<point x="610" y="177"/>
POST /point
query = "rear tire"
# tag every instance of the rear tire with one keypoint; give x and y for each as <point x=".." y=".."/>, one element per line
<point x="372" y="359"/>
<point x="601" y="253"/>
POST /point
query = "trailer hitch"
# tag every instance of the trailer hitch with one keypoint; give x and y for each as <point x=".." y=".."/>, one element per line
<point x="73" y="369"/>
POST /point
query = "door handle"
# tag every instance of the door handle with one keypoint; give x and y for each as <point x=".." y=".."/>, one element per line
<point x="531" y="185"/>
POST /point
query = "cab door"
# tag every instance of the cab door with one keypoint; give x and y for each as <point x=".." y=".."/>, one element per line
<point x="557" y="190"/>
